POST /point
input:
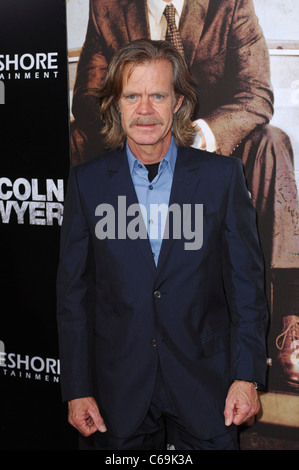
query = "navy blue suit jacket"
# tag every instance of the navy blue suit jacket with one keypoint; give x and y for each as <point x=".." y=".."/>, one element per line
<point x="202" y="313"/>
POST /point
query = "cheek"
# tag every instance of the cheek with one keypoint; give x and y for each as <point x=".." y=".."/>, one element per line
<point x="168" y="115"/>
<point x="124" y="117"/>
<point x="127" y="113"/>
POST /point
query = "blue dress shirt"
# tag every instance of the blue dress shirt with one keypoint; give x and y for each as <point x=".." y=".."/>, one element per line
<point x="153" y="197"/>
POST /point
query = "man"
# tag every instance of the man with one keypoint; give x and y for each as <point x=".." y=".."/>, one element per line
<point x="150" y="327"/>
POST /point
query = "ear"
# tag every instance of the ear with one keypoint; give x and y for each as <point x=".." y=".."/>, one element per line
<point x="178" y="104"/>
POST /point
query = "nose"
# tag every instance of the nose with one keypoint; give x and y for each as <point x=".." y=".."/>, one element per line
<point x="144" y="106"/>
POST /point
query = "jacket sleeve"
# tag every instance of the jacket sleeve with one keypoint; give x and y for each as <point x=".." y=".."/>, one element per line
<point x="90" y="72"/>
<point x="247" y="90"/>
<point x="243" y="275"/>
<point x="74" y="300"/>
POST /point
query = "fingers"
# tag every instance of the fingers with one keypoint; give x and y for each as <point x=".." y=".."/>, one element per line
<point x="84" y="415"/>
<point x="237" y="416"/>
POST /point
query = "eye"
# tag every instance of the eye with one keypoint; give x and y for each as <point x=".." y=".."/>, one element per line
<point x="158" y="96"/>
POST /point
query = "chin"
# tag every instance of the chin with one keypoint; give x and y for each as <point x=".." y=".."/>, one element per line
<point x="146" y="141"/>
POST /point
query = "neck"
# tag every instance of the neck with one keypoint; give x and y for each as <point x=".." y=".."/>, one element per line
<point x="148" y="154"/>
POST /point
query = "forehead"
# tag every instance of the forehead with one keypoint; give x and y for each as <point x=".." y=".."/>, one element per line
<point x="157" y="72"/>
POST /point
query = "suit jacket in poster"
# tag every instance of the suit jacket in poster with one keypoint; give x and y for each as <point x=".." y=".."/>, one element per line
<point x="224" y="48"/>
<point x="201" y="313"/>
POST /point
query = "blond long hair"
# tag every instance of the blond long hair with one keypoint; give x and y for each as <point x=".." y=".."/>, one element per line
<point x="135" y="53"/>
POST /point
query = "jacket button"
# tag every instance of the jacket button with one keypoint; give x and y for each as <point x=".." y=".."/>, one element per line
<point x="154" y="342"/>
<point x="157" y="294"/>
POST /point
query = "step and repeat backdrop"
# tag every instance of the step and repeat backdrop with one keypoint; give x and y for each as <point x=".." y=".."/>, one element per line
<point x="34" y="168"/>
<point x="45" y="127"/>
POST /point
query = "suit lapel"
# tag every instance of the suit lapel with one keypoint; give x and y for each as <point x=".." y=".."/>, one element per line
<point x="191" y="26"/>
<point x="119" y="183"/>
<point x="185" y="181"/>
<point x="136" y="18"/>
<point x="132" y="19"/>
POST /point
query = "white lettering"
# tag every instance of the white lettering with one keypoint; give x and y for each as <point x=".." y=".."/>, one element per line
<point x="37" y="205"/>
<point x="27" y="61"/>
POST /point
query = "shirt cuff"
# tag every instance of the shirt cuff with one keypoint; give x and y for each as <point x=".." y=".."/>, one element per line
<point x="208" y="134"/>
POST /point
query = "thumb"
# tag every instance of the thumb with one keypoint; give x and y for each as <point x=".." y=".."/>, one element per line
<point x="97" y="420"/>
<point x="229" y="414"/>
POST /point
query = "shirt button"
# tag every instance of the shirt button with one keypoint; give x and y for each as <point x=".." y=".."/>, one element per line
<point x="154" y="342"/>
<point x="139" y="165"/>
<point x="157" y="294"/>
<point x="151" y="186"/>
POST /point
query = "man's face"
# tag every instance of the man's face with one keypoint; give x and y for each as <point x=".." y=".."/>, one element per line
<point x="147" y="105"/>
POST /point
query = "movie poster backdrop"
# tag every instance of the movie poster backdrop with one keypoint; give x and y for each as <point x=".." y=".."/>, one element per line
<point x="37" y="75"/>
<point x="277" y="425"/>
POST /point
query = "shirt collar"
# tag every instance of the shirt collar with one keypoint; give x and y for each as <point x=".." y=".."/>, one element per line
<point x="169" y="158"/>
<point x="157" y="7"/>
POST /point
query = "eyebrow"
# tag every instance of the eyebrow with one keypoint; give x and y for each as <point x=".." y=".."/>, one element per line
<point x="131" y="92"/>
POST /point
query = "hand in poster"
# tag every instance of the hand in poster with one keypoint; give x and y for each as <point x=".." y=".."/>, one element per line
<point x="84" y="415"/>
<point x="242" y="402"/>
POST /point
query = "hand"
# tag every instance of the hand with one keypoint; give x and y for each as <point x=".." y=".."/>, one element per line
<point x="84" y="415"/>
<point x="242" y="402"/>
